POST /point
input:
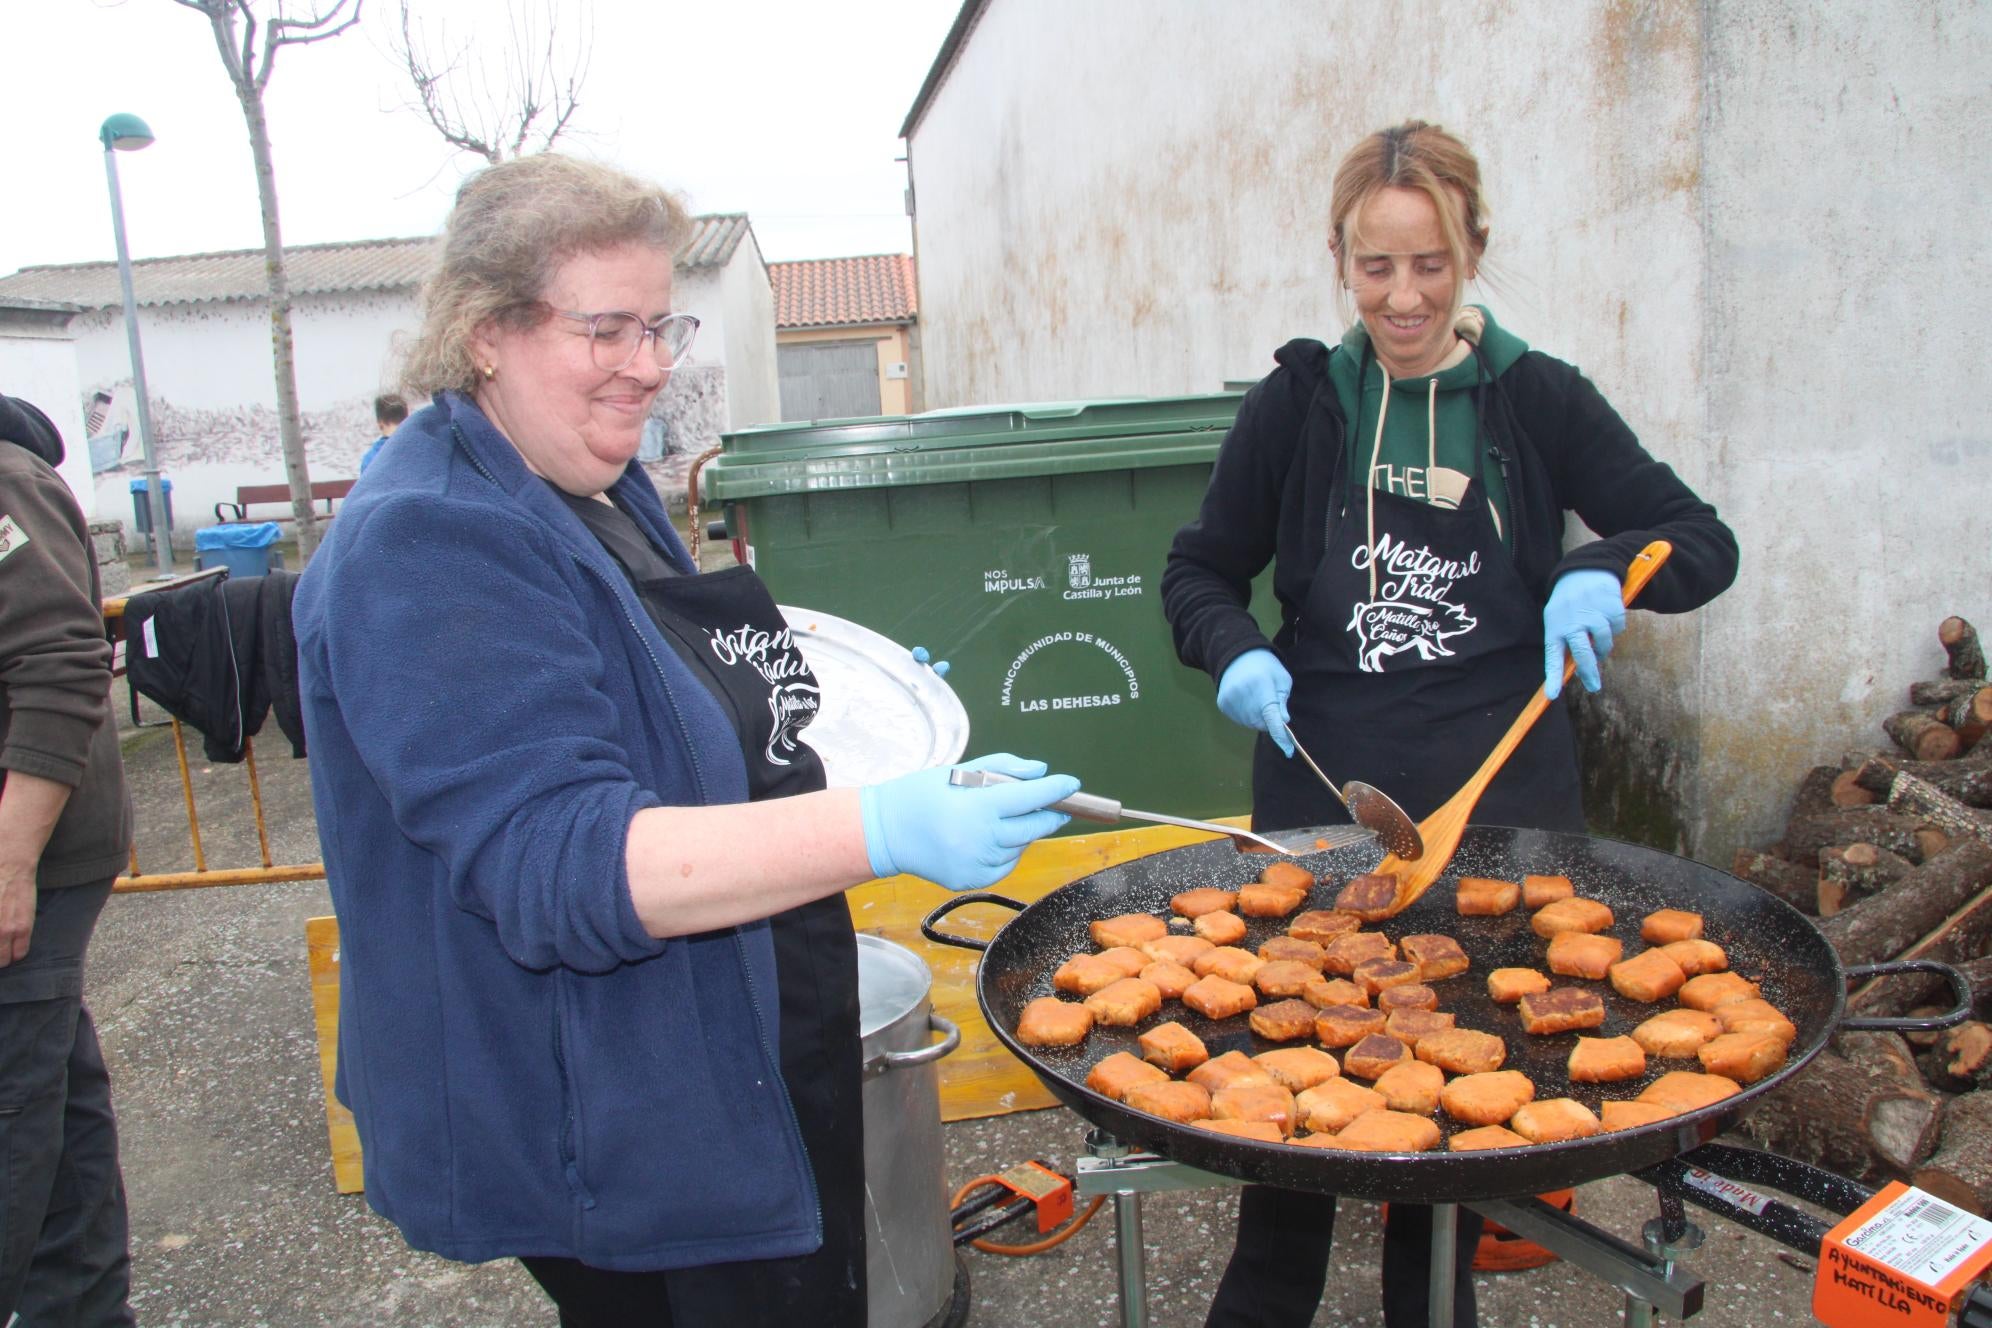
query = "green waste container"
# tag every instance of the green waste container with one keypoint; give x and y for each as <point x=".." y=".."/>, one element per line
<point x="1025" y="545"/>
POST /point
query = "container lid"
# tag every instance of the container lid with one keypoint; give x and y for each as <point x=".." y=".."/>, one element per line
<point x="972" y="443"/>
<point x="892" y="981"/>
<point x="165" y="485"/>
<point x="237" y="535"/>
<point x="884" y="715"/>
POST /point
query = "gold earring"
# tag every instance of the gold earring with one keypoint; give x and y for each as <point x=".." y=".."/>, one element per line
<point x="490" y="371"/>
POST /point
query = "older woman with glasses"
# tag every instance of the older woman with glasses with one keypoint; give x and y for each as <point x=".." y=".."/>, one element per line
<point x="599" y="989"/>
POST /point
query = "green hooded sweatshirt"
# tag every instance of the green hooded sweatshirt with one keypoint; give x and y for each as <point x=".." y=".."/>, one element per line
<point x="1430" y="447"/>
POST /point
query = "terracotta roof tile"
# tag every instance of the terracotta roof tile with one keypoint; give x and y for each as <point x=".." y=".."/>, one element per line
<point x="831" y="292"/>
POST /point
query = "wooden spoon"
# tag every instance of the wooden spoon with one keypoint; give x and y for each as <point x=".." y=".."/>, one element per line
<point x="1442" y="829"/>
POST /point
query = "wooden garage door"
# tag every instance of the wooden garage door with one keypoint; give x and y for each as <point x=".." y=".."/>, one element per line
<point x="828" y="380"/>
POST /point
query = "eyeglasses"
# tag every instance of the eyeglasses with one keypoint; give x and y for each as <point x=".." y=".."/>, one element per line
<point x="615" y="338"/>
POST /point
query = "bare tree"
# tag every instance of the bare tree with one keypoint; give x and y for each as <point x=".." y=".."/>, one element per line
<point x="504" y="103"/>
<point x="249" y="49"/>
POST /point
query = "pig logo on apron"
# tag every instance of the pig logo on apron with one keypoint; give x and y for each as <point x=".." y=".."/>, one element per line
<point x="1412" y="608"/>
<point x="793" y="697"/>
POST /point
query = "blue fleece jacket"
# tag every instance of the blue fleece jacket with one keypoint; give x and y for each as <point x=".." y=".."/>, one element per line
<point x="487" y="707"/>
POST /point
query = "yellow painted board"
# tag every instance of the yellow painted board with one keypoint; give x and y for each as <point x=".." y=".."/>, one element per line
<point x="321" y="943"/>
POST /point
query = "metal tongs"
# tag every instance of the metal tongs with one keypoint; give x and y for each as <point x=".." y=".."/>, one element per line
<point x="1093" y="807"/>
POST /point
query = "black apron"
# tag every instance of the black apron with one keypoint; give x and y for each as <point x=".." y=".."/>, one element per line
<point x="1407" y="681"/>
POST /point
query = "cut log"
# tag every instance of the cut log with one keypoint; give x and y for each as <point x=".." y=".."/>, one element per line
<point x="1969" y="781"/>
<point x="1848" y="792"/>
<point x="1897" y="832"/>
<point x="1960" y="1171"/>
<point x="1849" y="874"/>
<point x="1886" y="925"/>
<point x="1969" y="1047"/>
<point x="1923" y="735"/>
<point x="1942" y="691"/>
<point x="1911" y="993"/>
<point x="1815" y="792"/>
<point x="1924" y="1038"/>
<point x="1968" y="716"/>
<point x="1790" y="882"/>
<point x="1861" y="1110"/>
<point x="1916" y="797"/>
<point x="1960" y="641"/>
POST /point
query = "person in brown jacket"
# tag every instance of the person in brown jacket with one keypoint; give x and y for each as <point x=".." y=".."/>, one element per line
<point x="65" y="830"/>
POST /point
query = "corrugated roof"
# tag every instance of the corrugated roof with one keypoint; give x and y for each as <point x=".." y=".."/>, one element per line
<point x="829" y="292"/>
<point x="313" y="269"/>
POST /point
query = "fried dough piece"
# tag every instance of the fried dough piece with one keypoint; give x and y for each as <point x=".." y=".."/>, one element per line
<point x="1436" y="956"/>
<point x="1711" y="991"/>
<point x="1573" y="914"/>
<point x="1084" y="974"/>
<point x="1407" y="1026"/>
<point x="1375" y="975"/>
<point x="1561" y="1010"/>
<point x="1121" y="1071"/>
<point x="1172" y="1100"/>
<point x="1220" y="928"/>
<point x="1374" y="1054"/>
<point x="1050" y="1022"/>
<point x="1484" y="1137"/>
<point x="1676" y="1034"/>
<point x="1288" y="876"/>
<point x="1553" y="1120"/>
<point x="1631" y="1115"/>
<point x="1463" y="1050"/>
<point x="1386" y="1131"/>
<point x="1667" y="925"/>
<point x="1647" y="977"/>
<point x="1233" y="1067"/>
<point x="1324" y="992"/>
<point x="1131" y="959"/>
<point x="1261" y="900"/>
<point x="1173" y="1047"/>
<point x="1283" y="977"/>
<point x="1292" y="949"/>
<point x="1322" y="925"/>
<point x="1487" y="1099"/>
<point x="1125" y="1003"/>
<point x="1341" y="955"/>
<point x="1371" y="896"/>
<point x="1266" y="1102"/>
<point x="1755" y="1015"/>
<point x="1127" y="929"/>
<point x="1540" y="890"/>
<point x="1412" y="1086"/>
<point x="1219" y="998"/>
<point x="1283" y="1021"/>
<point x="1204" y="899"/>
<point x="1298" y="1069"/>
<point x="1578" y="954"/>
<point x="1346" y="1025"/>
<point x="1508" y="985"/>
<point x="1171" y="979"/>
<point x="1485" y="897"/>
<point x="1744" y="1057"/>
<point x="1684" y="1090"/>
<point x="1410" y="996"/>
<point x="1696" y="957"/>
<point x="1229" y="962"/>
<point x="1330" y="1105"/>
<point x="1264" y="1131"/>
<point x="1606" y="1060"/>
<point x="1176" y="949"/>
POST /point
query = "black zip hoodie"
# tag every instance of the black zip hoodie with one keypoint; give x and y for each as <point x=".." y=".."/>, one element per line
<point x="1557" y="441"/>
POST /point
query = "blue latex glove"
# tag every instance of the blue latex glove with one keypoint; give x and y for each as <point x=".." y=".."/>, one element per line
<point x="1585" y="610"/>
<point x="920" y="656"/>
<point x="1253" y="693"/>
<point x="961" y="838"/>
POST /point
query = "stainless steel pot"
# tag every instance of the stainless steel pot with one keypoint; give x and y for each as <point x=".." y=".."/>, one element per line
<point x="910" y="1266"/>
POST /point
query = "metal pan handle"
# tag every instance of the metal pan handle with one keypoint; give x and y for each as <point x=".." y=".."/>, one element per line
<point x="904" y="1060"/>
<point x="1960" y="987"/>
<point x="963" y="901"/>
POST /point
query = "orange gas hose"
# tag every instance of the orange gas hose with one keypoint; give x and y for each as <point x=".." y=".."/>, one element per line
<point x="1052" y="1241"/>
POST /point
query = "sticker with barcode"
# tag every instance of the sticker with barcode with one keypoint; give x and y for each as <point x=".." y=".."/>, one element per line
<point x="1921" y="1236"/>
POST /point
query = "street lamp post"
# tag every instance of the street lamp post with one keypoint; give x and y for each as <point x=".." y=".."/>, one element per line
<point x="128" y="133"/>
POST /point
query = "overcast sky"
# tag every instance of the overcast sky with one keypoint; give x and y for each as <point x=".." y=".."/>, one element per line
<point x="787" y="110"/>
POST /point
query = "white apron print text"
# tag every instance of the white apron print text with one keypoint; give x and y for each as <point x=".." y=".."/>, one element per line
<point x="1413" y="609"/>
<point x="793" y="698"/>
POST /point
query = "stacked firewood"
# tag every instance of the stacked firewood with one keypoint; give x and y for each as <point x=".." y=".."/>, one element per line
<point x="1892" y="850"/>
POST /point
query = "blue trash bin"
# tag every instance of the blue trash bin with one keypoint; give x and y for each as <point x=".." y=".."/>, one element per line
<point x="141" y="507"/>
<point x="243" y="547"/>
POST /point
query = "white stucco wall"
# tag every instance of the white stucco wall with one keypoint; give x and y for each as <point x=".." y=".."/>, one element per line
<point x="38" y="364"/>
<point x="753" y="385"/>
<point x="1754" y="225"/>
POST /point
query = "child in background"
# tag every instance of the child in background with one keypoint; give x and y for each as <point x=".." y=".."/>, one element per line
<point x="389" y="411"/>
